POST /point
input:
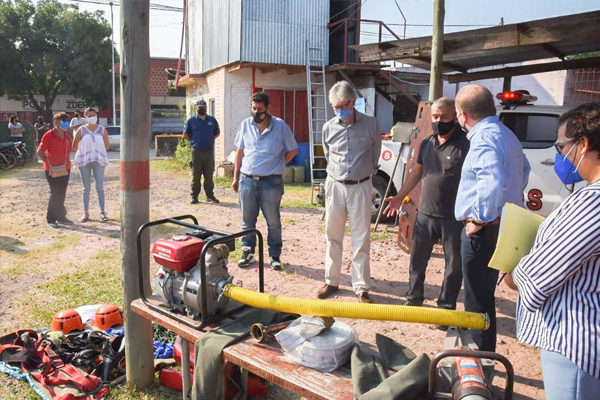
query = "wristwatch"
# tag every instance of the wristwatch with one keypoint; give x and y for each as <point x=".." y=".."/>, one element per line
<point x="478" y="223"/>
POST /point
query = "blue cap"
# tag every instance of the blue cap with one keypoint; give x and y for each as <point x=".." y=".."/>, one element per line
<point x="200" y="103"/>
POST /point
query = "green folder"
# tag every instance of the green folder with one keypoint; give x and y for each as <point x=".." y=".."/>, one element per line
<point x="518" y="228"/>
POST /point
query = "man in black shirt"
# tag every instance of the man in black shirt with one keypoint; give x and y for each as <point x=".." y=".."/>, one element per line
<point x="439" y="163"/>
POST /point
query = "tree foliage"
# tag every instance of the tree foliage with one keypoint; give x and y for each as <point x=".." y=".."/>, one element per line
<point x="49" y="48"/>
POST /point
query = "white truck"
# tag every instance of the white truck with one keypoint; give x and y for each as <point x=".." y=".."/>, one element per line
<point x="535" y="126"/>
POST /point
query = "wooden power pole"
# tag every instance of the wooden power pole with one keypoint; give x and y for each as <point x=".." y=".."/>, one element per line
<point x="437" y="50"/>
<point x="135" y="181"/>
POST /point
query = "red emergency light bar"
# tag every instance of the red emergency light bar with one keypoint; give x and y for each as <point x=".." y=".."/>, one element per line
<point x="515" y="97"/>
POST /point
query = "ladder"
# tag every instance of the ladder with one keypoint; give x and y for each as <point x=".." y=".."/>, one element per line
<point x="317" y="112"/>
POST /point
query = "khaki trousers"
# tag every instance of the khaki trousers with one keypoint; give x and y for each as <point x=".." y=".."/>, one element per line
<point x="352" y="202"/>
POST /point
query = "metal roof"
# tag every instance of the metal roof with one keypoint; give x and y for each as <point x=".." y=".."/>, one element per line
<point x="558" y="37"/>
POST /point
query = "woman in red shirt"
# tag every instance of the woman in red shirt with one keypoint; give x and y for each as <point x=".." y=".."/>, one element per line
<point x="55" y="151"/>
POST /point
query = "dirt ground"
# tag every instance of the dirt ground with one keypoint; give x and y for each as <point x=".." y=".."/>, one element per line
<point x="23" y="200"/>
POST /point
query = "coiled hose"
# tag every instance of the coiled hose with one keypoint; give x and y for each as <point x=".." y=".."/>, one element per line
<point x="380" y="312"/>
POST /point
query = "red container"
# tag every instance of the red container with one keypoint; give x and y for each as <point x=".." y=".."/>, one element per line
<point x="180" y="253"/>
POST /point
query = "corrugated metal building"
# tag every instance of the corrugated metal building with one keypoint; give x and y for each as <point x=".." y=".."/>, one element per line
<point x="221" y="32"/>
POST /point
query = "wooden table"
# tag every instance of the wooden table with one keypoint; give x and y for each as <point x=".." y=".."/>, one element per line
<point x="263" y="359"/>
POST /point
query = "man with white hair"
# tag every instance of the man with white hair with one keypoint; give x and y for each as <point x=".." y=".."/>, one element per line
<point x="439" y="162"/>
<point x="351" y="143"/>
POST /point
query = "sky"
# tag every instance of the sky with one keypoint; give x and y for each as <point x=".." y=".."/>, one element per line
<point x="165" y="26"/>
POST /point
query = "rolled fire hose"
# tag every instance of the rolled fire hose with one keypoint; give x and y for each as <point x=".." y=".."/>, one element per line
<point x="380" y="312"/>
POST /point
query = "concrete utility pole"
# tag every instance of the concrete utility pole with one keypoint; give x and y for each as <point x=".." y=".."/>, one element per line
<point x="135" y="181"/>
<point x="112" y="41"/>
<point x="437" y="50"/>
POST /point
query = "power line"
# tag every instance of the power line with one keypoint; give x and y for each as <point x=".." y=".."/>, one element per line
<point x="445" y="25"/>
<point x="153" y="6"/>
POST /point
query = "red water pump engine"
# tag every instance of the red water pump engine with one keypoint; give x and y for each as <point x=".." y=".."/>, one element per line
<point x="179" y="277"/>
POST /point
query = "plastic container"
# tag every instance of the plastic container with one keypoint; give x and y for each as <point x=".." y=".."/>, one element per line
<point x="306" y="170"/>
<point x="303" y="154"/>
<point x="288" y="175"/>
<point x="298" y="174"/>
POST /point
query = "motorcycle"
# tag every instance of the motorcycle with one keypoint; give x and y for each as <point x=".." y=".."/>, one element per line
<point x="8" y="159"/>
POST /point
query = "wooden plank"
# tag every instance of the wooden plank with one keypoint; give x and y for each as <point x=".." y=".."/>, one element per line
<point x="267" y="361"/>
<point x="264" y="359"/>
<point x="525" y="70"/>
<point x="533" y="33"/>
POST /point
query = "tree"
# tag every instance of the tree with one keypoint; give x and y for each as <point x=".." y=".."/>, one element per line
<point x="49" y="48"/>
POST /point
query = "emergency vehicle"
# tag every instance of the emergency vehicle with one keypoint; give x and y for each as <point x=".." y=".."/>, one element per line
<point x="535" y="126"/>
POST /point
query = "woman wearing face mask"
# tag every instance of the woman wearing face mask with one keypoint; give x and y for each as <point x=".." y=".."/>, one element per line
<point x="55" y="151"/>
<point x="91" y="143"/>
<point x="558" y="308"/>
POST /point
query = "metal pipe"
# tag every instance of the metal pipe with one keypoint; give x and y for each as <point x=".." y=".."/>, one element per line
<point x="177" y="73"/>
<point x="185" y="367"/>
<point x="259" y="332"/>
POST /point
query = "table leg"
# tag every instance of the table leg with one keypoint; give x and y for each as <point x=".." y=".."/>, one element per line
<point x="185" y="367"/>
<point x="244" y="384"/>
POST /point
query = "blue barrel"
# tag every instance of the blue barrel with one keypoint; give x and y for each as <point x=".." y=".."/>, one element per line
<point x="303" y="154"/>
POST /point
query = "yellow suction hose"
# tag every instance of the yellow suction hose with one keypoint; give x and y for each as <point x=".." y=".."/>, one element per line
<point x="380" y="312"/>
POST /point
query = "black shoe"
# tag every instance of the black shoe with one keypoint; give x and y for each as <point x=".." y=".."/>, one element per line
<point x="276" y="264"/>
<point x="247" y="258"/>
<point x="53" y="225"/>
<point x="412" y="303"/>
<point x="64" y="221"/>
<point x="212" y="199"/>
<point x="194" y="200"/>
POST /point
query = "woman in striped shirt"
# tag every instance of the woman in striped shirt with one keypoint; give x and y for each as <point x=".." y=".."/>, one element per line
<point x="558" y="308"/>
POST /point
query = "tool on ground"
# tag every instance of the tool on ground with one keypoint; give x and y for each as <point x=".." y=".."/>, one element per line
<point x="259" y="332"/>
<point x="465" y="372"/>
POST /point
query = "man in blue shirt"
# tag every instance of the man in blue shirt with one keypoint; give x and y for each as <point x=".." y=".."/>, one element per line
<point x="201" y="130"/>
<point x="495" y="172"/>
<point x="264" y="145"/>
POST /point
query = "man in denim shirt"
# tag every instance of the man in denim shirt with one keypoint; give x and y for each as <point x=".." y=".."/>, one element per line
<point x="264" y="145"/>
<point x="495" y="172"/>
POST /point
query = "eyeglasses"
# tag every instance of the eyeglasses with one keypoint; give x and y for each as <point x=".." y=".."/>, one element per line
<point x="343" y="106"/>
<point x="560" y="145"/>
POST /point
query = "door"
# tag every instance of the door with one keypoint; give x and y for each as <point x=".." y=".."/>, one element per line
<point x="409" y="210"/>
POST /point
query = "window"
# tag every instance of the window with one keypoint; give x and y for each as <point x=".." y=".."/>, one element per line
<point x="535" y="131"/>
<point x="211" y="107"/>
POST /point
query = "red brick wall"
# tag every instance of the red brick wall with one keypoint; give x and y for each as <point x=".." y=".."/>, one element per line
<point x="158" y="76"/>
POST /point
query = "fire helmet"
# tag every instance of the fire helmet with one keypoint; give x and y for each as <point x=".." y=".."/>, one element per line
<point x="107" y="316"/>
<point x="66" y="321"/>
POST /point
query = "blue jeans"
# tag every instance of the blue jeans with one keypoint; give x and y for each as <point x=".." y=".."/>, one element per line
<point x="86" y="179"/>
<point x="563" y="379"/>
<point x="262" y="195"/>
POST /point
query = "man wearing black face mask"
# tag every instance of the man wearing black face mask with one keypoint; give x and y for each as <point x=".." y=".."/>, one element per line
<point x="201" y="130"/>
<point x="439" y="162"/>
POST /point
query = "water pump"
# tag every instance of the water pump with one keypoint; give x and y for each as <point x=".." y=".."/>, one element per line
<point x="178" y="280"/>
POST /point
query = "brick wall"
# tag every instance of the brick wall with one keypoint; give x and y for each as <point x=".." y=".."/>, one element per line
<point x="158" y="76"/>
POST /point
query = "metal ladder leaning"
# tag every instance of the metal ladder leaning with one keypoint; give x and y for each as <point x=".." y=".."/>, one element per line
<point x="317" y="112"/>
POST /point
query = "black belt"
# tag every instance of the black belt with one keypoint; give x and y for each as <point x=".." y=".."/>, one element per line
<point x="351" y="182"/>
<point x="261" y="178"/>
<point x="494" y="222"/>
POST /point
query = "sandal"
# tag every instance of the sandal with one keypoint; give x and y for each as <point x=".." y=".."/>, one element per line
<point x="84" y="218"/>
<point x="103" y="217"/>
